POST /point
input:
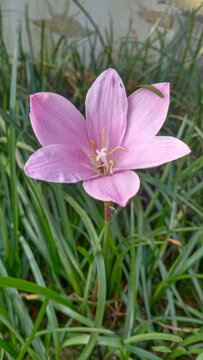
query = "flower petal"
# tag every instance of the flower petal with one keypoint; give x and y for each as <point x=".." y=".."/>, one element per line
<point x="56" y="121"/>
<point x="146" y="113"/>
<point x="156" y="151"/>
<point x="106" y="108"/>
<point x="118" y="188"/>
<point x="59" y="163"/>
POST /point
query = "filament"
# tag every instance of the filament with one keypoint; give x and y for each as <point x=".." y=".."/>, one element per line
<point x="111" y="167"/>
<point x="117" y="147"/>
<point x="92" y="144"/>
<point x="103" y="137"/>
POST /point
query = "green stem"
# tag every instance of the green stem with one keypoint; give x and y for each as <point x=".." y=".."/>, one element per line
<point x="107" y="214"/>
<point x="106" y="237"/>
<point x="38" y="321"/>
<point x="133" y="278"/>
<point x="133" y="259"/>
<point x="14" y="261"/>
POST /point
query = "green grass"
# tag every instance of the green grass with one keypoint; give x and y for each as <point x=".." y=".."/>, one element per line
<point x="60" y="298"/>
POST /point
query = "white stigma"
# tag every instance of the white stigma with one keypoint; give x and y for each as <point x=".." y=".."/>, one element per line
<point x="101" y="155"/>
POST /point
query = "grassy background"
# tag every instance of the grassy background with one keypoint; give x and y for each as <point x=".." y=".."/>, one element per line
<point x="60" y="298"/>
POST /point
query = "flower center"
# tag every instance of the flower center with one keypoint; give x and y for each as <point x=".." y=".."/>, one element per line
<point x="103" y="164"/>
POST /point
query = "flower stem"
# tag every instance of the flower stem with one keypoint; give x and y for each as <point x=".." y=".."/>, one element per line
<point x="107" y="216"/>
<point x="133" y="259"/>
<point x="131" y="297"/>
<point x="107" y="210"/>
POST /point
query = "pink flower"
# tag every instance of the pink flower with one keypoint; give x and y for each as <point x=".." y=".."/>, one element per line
<point x="119" y="134"/>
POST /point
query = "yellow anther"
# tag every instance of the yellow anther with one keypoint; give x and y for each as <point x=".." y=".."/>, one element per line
<point x="100" y="166"/>
<point x="103" y="138"/>
<point x="111" y="167"/>
<point x="92" y="144"/>
<point x="117" y="147"/>
<point x="91" y="155"/>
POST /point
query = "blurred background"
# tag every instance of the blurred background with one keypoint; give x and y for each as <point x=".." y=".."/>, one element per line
<point x="68" y="18"/>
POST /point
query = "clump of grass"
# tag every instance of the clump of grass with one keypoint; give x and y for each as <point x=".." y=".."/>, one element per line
<point x="144" y="299"/>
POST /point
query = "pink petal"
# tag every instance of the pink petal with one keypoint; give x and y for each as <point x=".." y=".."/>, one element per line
<point x="118" y="188"/>
<point x="156" y="151"/>
<point x="56" y="121"/>
<point x="106" y="108"/>
<point x="146" y="113"/>
<point x="59" y="163"/>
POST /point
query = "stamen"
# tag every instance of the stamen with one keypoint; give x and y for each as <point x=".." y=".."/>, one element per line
<point x="117" y="147"/>
<point x="102" y="169"/>
<point x="91" y="155"/>
<point x="92" y="144"/>
<point x="103" y="137"/>
<point x="100" y="166"/>
<point x="111" y="167"/>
